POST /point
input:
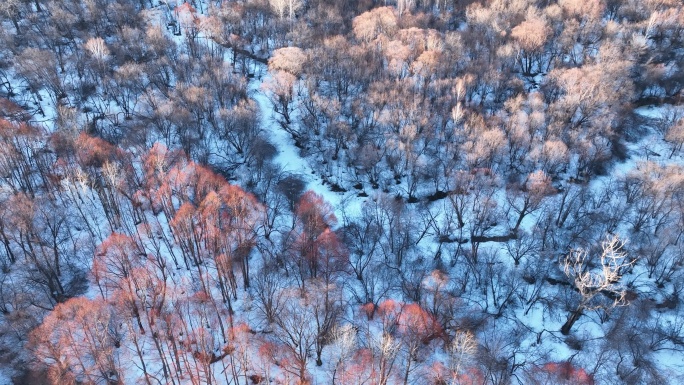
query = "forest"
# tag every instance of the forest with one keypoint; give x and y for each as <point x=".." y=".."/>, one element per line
<point x="351" y="192"/>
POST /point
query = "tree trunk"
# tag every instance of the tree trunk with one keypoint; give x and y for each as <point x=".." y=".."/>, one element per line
<point x="408" y="369"/>
<point x="522" y="215"/>
<point x="16" y="25"/>
<point x="574" y="316"/>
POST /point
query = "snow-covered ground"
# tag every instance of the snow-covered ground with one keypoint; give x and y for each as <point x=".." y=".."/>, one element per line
<point x="5" y="377"/>
<point x="291" y="162"/>
<point x="542" y="327"/>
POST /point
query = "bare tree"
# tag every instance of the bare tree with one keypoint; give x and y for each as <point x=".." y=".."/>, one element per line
<point x="461" y="351"/>
<point x="345" y="339"/>
<point x="530" y="197"/>
<point x="296" y="331"/>
<point x="286" y="7"/>
<point x="590" y="282"/>
<point x="531" y="35"/>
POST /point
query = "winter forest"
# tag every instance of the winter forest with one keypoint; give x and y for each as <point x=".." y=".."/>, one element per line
<point x="352" y="192"/>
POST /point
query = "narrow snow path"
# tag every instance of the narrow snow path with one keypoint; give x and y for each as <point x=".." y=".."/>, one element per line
<point x="291" y="162"/>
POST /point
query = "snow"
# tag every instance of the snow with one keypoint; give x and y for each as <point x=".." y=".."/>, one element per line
<point x="291" y="162"/>
<point x="5" y="376"/>
<point x="539" y="322"/>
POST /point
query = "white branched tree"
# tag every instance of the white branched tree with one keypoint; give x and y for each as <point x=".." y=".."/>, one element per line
<point x="589" y="282"/>
<point x="287" y="8"/>
<point x="461" y="351"/>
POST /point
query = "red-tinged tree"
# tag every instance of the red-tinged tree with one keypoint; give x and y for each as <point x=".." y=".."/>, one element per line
<point x="264" y="358"/>
<point x="94" y="180"/>
<point x="151" y="286"/>
<point x="79" y="342"/>
<point x="381" y="344"/>
<point x="358" y="368"/>
<point x="145" y="295"/>
<point x="215" y="240"/>
<point x="240" y="214"/>
<point x="226" y="278"/>
<point x="416" y="328"/>
<point x="316" y="250"/>
<point x="406" y="330"/>
<point x="209" y="218"/>
<point x="241" y="350"/>
<point x="170" y="335"/>
<point x="60" y="370"/>
<point x="559" y="373"/>
<point x="314" y="213"/>
<point x="203" y="182"/>
<point x="12" y="111"/>
<point x="325" y="256"/>
<point x="127" y="300"/>
<point x="155" y="241"/>
<point x="156" y="235"/>
<point x="389" y="311"/>
<point x="161" y="201"/>
<point x="436" y="373"/>
<point x="192" y="182"/>
<point x="156" y="164"/>
<point x="472" y="376"/>
<point x="187" y="232"/>
<point x="221" y="229"/>
<point x="114" y="259"/>
<point x="240" y="208"/>
<point x="139" y="344"/>
<point x="280" y="355"/>
<point x="203" y="333"/>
